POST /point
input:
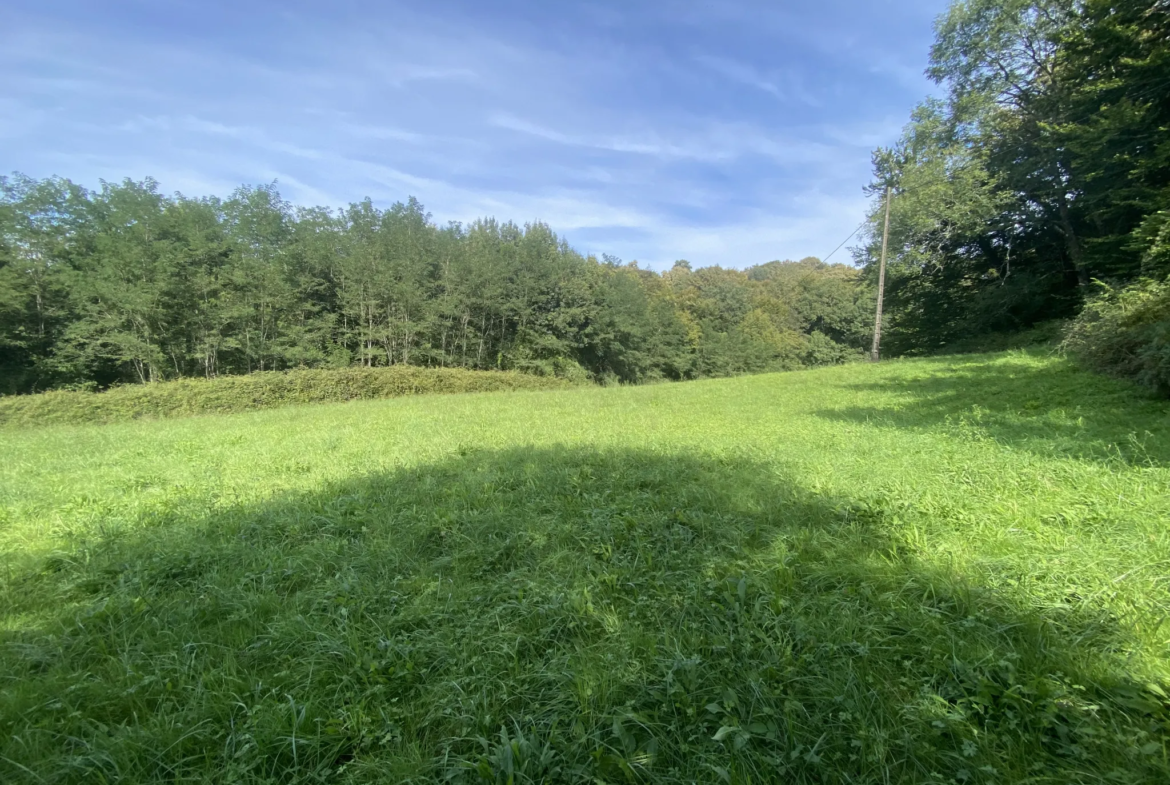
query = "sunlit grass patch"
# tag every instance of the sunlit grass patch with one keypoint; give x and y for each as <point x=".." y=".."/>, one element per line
<point x="844" y="575"/>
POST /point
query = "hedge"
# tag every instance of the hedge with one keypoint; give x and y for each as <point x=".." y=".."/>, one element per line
<point x="255" y="391"/>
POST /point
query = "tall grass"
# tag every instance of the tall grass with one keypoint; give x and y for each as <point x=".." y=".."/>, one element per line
<point x="228" y="394"/>
<point x="938" y="571"/>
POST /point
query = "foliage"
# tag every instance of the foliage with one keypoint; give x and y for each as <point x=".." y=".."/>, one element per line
<point x="1045" y="166"/>
<point x="1045" y="336"/>
<point x="128" y="285"/>
<point x="703" y="582"/>
<point x="1126" y="331"/>
<point x="260" y="390"/>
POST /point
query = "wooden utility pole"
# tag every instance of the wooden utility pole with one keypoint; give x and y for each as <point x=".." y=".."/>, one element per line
<point x="877" y="322"/>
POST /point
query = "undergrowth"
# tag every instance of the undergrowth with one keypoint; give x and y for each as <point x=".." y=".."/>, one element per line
<point x="1125" y="331"/>
<point x="226" y="394"/>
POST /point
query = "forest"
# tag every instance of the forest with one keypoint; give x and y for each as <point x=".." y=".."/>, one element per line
<point x="1038" y="179"/>
<point x="125" y="284"/>
<point x="1037" y="183"/>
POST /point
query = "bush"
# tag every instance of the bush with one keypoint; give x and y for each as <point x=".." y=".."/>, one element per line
<point x="1126" y="332"/>
<point x="820" y="349"/>
<point x="256" y="391"/>
<point x="1044" y="334"/>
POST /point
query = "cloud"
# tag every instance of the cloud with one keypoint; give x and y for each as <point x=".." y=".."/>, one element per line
<point x="114" y="169"/>
<point x="730" y="133"/>
<point x="710" y="141"/>
<point x="738" y="72"/>
<point x="793" y="90"/>
<point x="302" y="193"/>
<point x="251" y="135"/>
<point x="813" y="228"/>
<point x="867" y="134"/>
<point x="401" y="75"/>
<point x="383" y="132"/>
<point x="649" y="144"/>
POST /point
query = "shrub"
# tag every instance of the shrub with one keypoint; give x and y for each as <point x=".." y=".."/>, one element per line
<point x="820" y="349"/>
<point x="256" y="391"/>
<point x="1041" y="335"/>
<point x="1126" y="332"/>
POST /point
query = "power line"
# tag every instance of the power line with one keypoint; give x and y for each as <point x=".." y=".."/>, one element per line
<point x="847" y="239"/>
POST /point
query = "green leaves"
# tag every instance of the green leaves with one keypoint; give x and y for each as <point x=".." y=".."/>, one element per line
<point x="1126" y="332"/>
<point x="129" y="285"/>
<point x="1045" y="167"/>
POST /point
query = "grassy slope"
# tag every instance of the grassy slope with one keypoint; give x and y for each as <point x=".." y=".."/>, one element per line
<point x="948" y="570"/>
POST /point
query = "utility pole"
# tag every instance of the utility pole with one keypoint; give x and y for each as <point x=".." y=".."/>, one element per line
<point x="877" y="322"/>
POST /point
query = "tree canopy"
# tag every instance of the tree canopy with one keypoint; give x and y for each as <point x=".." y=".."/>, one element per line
<point x="126" y="284"/>
<point x="1045" y="167"/>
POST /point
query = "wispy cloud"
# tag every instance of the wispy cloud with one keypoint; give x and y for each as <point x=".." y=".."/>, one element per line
<point x="738" y="72"/>
<point x="729" y="133"/>
<point x="708" y="141"/>
<point x="401" y="75"/>
<point x="792" y="91"/>
<point x="383" y="132"/>
<point x="649" y="144"/>
<point x="251" y="135"/>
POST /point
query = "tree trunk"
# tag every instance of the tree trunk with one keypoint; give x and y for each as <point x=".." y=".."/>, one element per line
<point x="1076" y="253"/>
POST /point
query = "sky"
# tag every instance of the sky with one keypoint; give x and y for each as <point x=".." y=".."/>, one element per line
<point x="728" y="132"/>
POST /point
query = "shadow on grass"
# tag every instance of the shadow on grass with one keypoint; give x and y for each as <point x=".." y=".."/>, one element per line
<point x="1055" y="410"/>
<point x="553" y="615"/>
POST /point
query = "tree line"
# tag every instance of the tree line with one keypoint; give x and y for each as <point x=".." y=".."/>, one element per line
<point x="125" y="284"/>
<point x="1043" y="169"/>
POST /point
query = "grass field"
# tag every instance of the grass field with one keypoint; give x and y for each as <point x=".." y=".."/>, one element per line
<point x="941" y="571"/>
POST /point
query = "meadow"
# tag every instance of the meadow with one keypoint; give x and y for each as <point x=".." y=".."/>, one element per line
<point x="948" y="570"/>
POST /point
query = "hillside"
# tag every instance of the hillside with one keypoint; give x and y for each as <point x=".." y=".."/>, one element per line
<point x="944" y="570"/>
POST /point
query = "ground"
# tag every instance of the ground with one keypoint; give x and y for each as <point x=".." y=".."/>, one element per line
<point x="945" y="570"/>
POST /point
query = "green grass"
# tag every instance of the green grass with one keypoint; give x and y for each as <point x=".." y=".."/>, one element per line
<point x="228" y="394"/>
<point x="945" y="570"/>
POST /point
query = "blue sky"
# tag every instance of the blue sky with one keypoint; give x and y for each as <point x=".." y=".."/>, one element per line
<point x="730" y="132"/>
